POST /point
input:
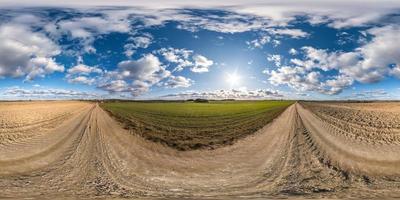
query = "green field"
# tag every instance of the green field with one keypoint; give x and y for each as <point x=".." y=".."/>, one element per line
<point x="189" y="125"/>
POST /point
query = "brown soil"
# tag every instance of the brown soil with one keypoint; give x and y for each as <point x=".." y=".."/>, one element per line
<point x="309" y="151"/>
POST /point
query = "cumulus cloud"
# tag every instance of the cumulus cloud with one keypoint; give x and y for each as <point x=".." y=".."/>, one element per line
<point x="46" y="93"/>
<point x="275" y="58"/>
<point x="201" y="64"/>
<point x="377" y="94"/>
<point x="86" y="29"/>
<point x="115" y="86"/>
<point x="26" y="53"/>
<point x="83" y="69"/>
<point x="293" y="33"/>
<point x="148" y="68"/>
<point x="82" y="74"/>
<point x="178" y="82"/>
<point x="26" y="49"/>
<point x="225" y="22"/>
<point x="135" y="76"/>
<point x="242" y="93"/>
<point x="181" y="57"/>
<point x="301" y="79"/>
<point x="369" y="63"/>
<point x="81" y="80"/>
<point x="259" y="42"/>
<point x="136" y="42"/>
<point x="396" y="72"/>
<point x="338" y="14"/>
<point x="293" y="51"/>
<point x="184" y="58"/>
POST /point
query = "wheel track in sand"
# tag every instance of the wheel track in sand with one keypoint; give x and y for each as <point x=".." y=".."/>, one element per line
<point x="96" y="157"/>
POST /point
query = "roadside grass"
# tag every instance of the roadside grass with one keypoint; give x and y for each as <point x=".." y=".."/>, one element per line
<point x="190" y="125"/>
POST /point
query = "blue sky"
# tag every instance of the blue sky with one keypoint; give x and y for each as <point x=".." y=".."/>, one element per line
<point x="178" y="50"/>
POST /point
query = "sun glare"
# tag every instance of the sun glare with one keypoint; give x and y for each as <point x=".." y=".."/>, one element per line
<point x="233" y="79"/>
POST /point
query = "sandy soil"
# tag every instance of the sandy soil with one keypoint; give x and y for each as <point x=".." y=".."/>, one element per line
<point x="305" y="152"/>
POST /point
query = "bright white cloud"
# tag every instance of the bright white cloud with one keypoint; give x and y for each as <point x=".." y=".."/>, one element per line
<point x="82" y="80"/>
<point x="369" y="63"/>
<point x="115" y="86"/>
<point x="83" y="69"/>
<point x="275" y="58"/>
<point x="259" y="42"/>
<point x="293" y="51"/>
<point x="201" y="64"/>
<point x="338" y="13"/>
<point x="242" y="93"/>
<point x="82" y="74"/>
<point x="184" y="58"/>
<point x="293" y="33"/>
<point x="135" y="76"/>
<point x="178" y="82"/>
<point x="136" y="42"/>
<point x="87" y="28"/>
<point x="181" y="57"/>
<point x="148" y="68"/>
<point x="46" y="93"/>
<point x="26" y="53"/>
<point x="303" y="80"/>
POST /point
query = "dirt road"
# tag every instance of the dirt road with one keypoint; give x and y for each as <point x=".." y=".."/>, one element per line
<point x="90" y="155"/>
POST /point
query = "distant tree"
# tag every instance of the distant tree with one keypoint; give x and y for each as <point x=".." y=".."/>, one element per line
<point x="201" y="100"/>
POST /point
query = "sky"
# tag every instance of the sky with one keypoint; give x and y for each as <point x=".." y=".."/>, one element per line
<point x="315" y="50"/>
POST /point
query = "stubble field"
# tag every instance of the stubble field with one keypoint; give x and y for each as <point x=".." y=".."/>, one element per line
<point x="74" y="149"/>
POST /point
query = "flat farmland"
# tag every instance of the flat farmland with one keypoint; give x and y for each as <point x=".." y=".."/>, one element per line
<point x="190" y="125"/>
<point x="21" y="120"/>
<point x="77" y="150"/>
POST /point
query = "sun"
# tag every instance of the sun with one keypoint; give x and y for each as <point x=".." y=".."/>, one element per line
<point x="233" y="79"/>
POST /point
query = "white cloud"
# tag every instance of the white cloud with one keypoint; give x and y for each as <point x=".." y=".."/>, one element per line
<point x="115" y="86"/>
<point x="87" y="28"/>
<point x="201" y="64"/>
<point x="293" y="51"/>
<point x="275" y="58"/>
<point x="185" y="58"/>
<point x="135" y="76"/>
<point x="302" y="80"/>
<point x="378" y="54"/>
<point x="81" y="73"/>
<point x="337" y="13"/>
<point x="82" y="80"/>
<point x="84" y="27"/>
<point x="229" y="23"/>
<point x="178" y="82"/>
<point x="259" y="42"/>
<point x="83" y="69"/>
<point x="148" y="68"/>
<point x="179" y="56"/>
<point x="137" y="42"/>
<point x="26" y="53"/>
<point x="293" y="33"/>
<point x="377" y="94"/>
<point x="46" y="93"/>
<point x="396" y="71"/>
<point x="369" y="63"/>
<point x="241" y="93"/>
